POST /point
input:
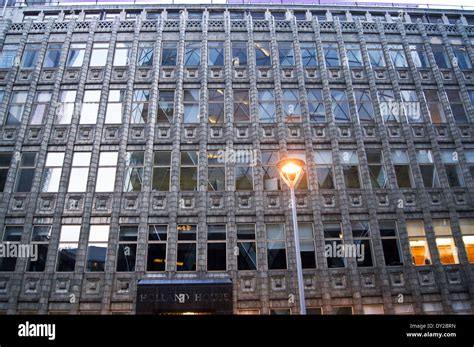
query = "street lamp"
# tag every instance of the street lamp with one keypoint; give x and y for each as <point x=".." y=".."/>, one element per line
<point x="291" y="170"/>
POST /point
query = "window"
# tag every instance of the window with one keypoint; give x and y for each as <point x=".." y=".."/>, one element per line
<point x="65" y="108"/>
<point x="169" y="54"/>
<point x="354" y="55"/>
<point x="239" y="53"/>
<point x="303" y="183"/>
<point x="241" y="105"/>
<point x="243" y="176"/>
<point x="76" y="54"/>
<point x="247" y="258"/>
<point x="156" y="256"/>
<point x="53" y="53"/>
<point x="30" y="56"/>
<point x="340" y="106"/>
<point x="308" y="54"/>
<point x="40" y="108"/>
<point x="192" y="54"/>
<point x="16" y="108"/>
<point x="52" y="172"/>
<point x="127" y="248"/>
<point x="188" y="180"/>
<point x="7" y="56"/>
<point x="134" y="168"/>
<point x="307" y="250"/>
<point x="291" y="106"/>
<point x="440" y="56"/>
<point x="373" y="309"/>
<point x="90" y="107"/>
<point x="165" y="106"/>
<point x="427" y="168"/>
<point x="467" y="230"/>
<point x="161" y="171"/>
<point x="317" y="114"/>
<point x="397" y="55"/>
<point x="276" y="246"/>
<point x="471" y="96"/>
<point x="377" y="172"/>
<point x="350" y="168"/>
<point x="141" y="99"/>
<point x="448" y="253"/>
<point x="271" y="177"/>
<point x="97" y="247"/>
<point x="462" y="57"/>
<point x="215" y="106"/>
<point x="262" y="54"/>
<point x="333" y="241"/>
<point x="411" y="106"/>
<point x="266" y="106"/>
<point x="365" y="110"/>
<point x="469" y="154"/>
<point x="145" y="54"/>
<point x="452" y="168"/>
<point x="418" y="244"/>
<point x="26" y="172"/>
<point x="331" y="55"/>
<point x="324" y="169"/>
<point x="215" y="171"/>
<point x="99" y="54"/>
<point x="419" y="56"/>
<point x="362" y="240"/>
<point x="115" y="107"/>
<point x="286" y="54"/>
<point x="389" y="108"/>
<point x="435" y="107"/>
<point x="390" y="243"/>
<point x="186" y="258"/>
<point x="457" y="107"/>
<point x="215" y="54"/>
<point x="5" y="161"/>
<point x="216" y="247"/>
<point x="79" y="172"/>
<point x="40" y="237"/>
<point x="68" y="247"/>
<point x="11" y="236"/>
<point x="106" y="172"/>
<point x="375" y="53"/>
<point x="191" y="106"/>
<point x="402" y="168"/>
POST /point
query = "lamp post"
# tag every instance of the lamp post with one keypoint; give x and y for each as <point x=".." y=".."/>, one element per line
<point x="291" y="171"/>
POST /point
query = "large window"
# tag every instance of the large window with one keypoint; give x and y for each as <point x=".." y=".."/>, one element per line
<point x="30" y="56"/>
<point x="156" y="256"/>
<point x="467" y="231"/>
<point x="266" y="106"/>
<point x="418" y="244"/>
<point x="390" y="243"/>
<point x="12" y="237"/>
<point x="141" y="100"/>
<point x="90" y="107"/>
<point x="389" y="108"/>
<point x="452" y="168"/>
<point x="271" y="177"/>
<point x="165" y="107"/>
<point x="440" y="56"/>
<point x="215" y="106"/>
<point x="354" y="55"/>
<point x="317" y="114"/>
<point x="307" y="249"/>
<point x="262" y="54"/>
<point x="457" y="107"/>
<point x="350" y="168"/>
<point x="40" y="108"/>
<point x="397" y="55"/>
<point x="188" y="179"/>
<point x="300" y="154"/>
<point x="79" y="172"/>
<point x="241" y="105"/>
<point x="427" y="168"/>
<point x="191" y="106"/>
<point x="76" y="54"/>
<point x="331" y="55"/>
<point x="324" y="169"/>
<point x="377" y="172"/>
<point x="5" y="161"/>
<point x="340" y="105"/>
<point x="363" y="242"/>
<point x="52" y="56"/>
<point x="216" y="247"/>
<point x="40" y="237"/>
<point x="16" y="108"/>
<point x="365" y="109"/>
<point x="291" y="106"/>
<point x="127" y="248"/>
<point x="247" y="258"/>
<point x="115" y="107"/>
<point x="469" y="154"/>
<point x="192" y="54"/>
<point x="411" y="106"/>
<point x="434" y="106"/>
<point x="333" y="241"/>
<point x="26" y="172"/>
<point x="99" y="54"/>
<point x="68" y="247"/>
<point x="308" y="54"/>
<point x="169" y="54"/>
<point x="65" y="108"/>
<point x="161" y="171"/>
<point x="286" y="54"/>
<point x="448" y="253"/>
<point x="134" y="167"/>
<point x="186" y="257"/>
<point x="122" y="54"/>
<point x="419" y="56"/>
<point x="276" y="246"/>
<point x="239" y="53"/>
<point x="97" y="247"/>
<point x="462" y="57"/>
<point x="52" y="172"/>
<point x="215" y="171"/>
<point x="243" y="176"/>
<point x="106" y="172"/>
<point x="216" y="54"/>
<point x="7" y="56"/>
<point x="375" y="53"/>
<point x="402" y="168"/>
<point x="145" y="54"/>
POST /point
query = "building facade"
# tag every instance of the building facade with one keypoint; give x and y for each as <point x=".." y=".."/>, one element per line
<point x="139" y="144"/>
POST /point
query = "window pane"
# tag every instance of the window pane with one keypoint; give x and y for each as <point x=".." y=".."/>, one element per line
<point x="186" y="258"/>
<point x="156" y="258"/>
<point x="126" y="256"/>
<point x="216" y="256"/>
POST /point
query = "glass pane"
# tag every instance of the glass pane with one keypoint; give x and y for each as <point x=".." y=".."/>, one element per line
<point x="186" y="258"/>
<point x="156" y="257"/>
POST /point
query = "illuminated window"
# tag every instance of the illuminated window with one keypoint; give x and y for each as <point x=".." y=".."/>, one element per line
<point x="418" y="244"/>
<point x="106" y="172"/>
<point x="79" y="172"/>
<point x="156" y="256"/>
<point x="467" y="231"/>
<point x="445" y="242"/>
<point x="52" y="172"/>
<point x="68" y="246"/>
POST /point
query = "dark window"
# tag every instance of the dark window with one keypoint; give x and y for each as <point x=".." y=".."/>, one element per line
<point x="247" y="258"/>
<point x="5" y="160"/>
<point x="26" y="172"/>
<point x="11" y="235"/>
<point x="241" y="105"/>
<point x="97" y="247"/>
<point x="378" y="175"/>
<point x="271" y="177"/>
<point x="390" y="243"/>
<point x="427" y="168"/>
<point x="215" y="106"/>
<point x="156" y="257"/>
<point x="362" y="241"/>
<point x="216" y="171"/>
<point x="276" y="246"/>
<point x="350" y="168"/>
<point x="402" y="169"/>
<point x="127" y="249"/>
<point x="186" y="258"/>
<point x="457" y="107"/>
<point x="333" y="240"/>
<point x="169" y="54"/>
<point x="40" y="237"/>
<point x="440" y="56"/>
<point x="216" y="247"/>
<point x="161" y="171"/>
<point x="189" y="171"/>
<point x="307" y="250"/>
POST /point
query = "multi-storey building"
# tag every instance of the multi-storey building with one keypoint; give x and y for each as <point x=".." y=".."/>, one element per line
<point x="139" y="144"/>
